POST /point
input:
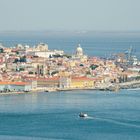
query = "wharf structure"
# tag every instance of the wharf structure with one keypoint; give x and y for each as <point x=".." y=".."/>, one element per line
<point x="25" y="68"/>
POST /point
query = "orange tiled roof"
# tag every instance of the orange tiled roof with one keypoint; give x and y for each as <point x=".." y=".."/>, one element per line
<point x="13" y="83"/>
<point x="81" y="78"/>
<point x="86" y="78"/>
<point x="20" y="83"/>
<point x="39" y="78"/>
<point x="4" y="83"/>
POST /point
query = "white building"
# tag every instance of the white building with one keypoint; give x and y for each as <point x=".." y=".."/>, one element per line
<point x="48" y="54"/>
<point x="79" y="53"/>
<point x="42" y="50"/>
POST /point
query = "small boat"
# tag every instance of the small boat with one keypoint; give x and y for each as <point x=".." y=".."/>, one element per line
<point x="83" y="115"/>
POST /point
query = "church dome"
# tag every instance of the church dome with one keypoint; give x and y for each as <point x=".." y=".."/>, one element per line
<point x="79" y="50"/>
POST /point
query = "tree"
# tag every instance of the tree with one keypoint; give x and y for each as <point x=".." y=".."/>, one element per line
<point x="1" y="50"/>
<point x="54" y="72"/>
<point x="30" y="72"/>
<point x="81" y="65"/>
<point x="93" y="67"/>
<point x="23" y="59"/>
<point x="16" y="60"/>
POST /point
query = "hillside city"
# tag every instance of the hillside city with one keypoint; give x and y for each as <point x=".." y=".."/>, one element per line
<point x="24" y="68"/>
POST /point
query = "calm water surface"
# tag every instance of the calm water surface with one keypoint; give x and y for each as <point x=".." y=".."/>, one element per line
<point x="54" y="116"/>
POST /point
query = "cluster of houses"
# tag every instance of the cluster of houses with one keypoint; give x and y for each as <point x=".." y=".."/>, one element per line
<point x="24" y="68"/>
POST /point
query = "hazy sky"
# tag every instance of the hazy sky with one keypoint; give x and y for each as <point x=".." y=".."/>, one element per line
<point x="70" y="15"/>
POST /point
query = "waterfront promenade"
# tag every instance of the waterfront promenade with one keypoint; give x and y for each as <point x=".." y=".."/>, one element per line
<point x="115" y="88"/>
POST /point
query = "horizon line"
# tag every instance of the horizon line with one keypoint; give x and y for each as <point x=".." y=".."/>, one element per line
<point x="80" y="31"/>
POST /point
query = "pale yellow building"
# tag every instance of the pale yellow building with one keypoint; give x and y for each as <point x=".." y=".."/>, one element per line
<point x="81" y="82"/>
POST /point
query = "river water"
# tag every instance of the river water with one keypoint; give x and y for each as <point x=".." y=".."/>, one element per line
<point x="54" y="116"/>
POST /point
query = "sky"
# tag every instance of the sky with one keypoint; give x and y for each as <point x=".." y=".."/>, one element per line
<point x="99" y="15"/>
